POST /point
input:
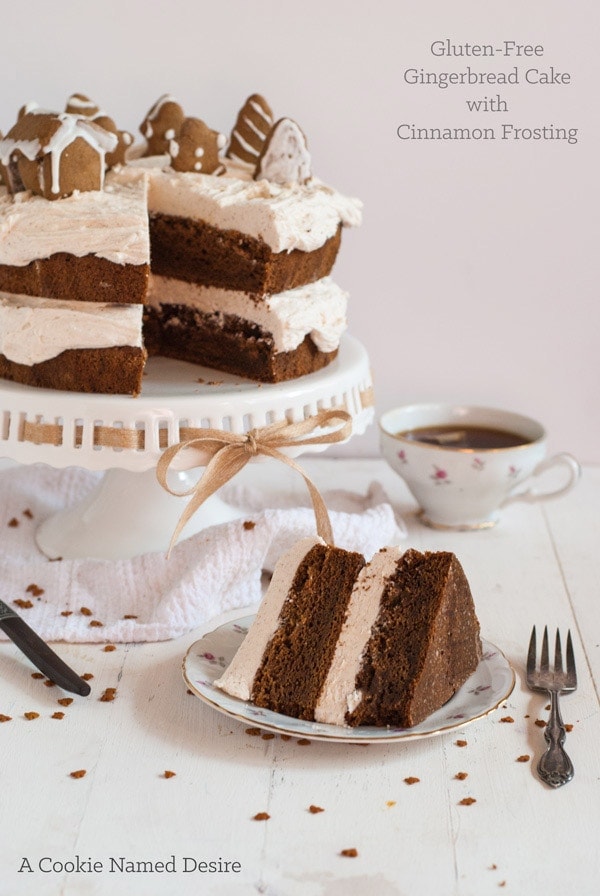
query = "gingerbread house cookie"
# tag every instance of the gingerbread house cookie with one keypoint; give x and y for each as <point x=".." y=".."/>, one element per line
<point x="284" y="158"/>
<point x="53" y="155"/>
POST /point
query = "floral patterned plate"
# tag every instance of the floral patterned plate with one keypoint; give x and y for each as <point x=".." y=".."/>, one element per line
<point x="491" y="683"/>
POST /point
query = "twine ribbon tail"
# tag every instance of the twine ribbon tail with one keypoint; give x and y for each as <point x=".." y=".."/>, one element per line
<point x="219" y="470"/>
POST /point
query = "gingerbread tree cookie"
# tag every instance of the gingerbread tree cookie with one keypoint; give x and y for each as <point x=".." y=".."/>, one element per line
<point x="161" y="125"/>
<point x="53" y="155"/>
<point x="197" y="148"/>
<point x="250" y="130"/>
<point x="285" y="157"/>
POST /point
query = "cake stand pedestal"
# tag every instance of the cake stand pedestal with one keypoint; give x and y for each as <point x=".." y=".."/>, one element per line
<point x="128" y="512"/>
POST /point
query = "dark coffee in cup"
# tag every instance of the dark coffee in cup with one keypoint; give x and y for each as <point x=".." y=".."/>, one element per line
<point x="475" y="438"/>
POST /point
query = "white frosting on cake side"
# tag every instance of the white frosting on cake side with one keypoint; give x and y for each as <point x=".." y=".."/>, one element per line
<point x="285" y="216"/>
<point x="317" y="309"/>
<point x="338" y="694"/>
<point x="238" y="678"/>
<point x="35" y="329"/>
<point x="111" y="223"/>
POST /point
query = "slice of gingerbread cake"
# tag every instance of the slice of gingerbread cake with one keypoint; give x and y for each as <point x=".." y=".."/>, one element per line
<point x="384" y="643"/>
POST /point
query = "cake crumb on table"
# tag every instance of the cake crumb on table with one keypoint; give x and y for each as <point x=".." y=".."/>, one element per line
<point x="303" y="742"/>
<point x="38" y="675"/>
<point x="57" y="715"/>
<point x="27" y="512"/>
<point x="108" y="695"/>
<point x="507" y="719"/>
<point x="460" y="743"/>
<point x="13" y="523"/>
<point x="249" y="524"/>
<point x="169" y="774"/>
<point x="85" y="611"/>
<point x="411" y="780"/>
<point x="31" y="715"/>
<point x="541" y="723"/>
<point x="79" y="773"/>
<point x="4" y="718"/>
<point x="253" y="732"/>
<point x="261" y="816"/>
<point x="49" y="683"/>
<point x="23" y="604"/>
<point x="524" y="758"/>
<point x="65" y="701"/>
<point x="35" y="590"/>
<point x="108" y="648"/>
<point x="87" y="676"/>
<point x="349" y="853"/>
<point x="314" y="810"/>
<point x="95" y="623"/>
<point x="467" y="801"/>
<point x="460" y="776"/>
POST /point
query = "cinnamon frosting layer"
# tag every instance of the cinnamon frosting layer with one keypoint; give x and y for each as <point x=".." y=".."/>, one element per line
<point x="285" y="216"/>
<point x="111" y="223"/>
<point x="34" y="329"/>
<point x="317" y="309"/>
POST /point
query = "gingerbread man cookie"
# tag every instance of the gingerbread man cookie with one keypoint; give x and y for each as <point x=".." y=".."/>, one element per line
<point x="250" y="130"/>
<point x="124" y="140"/>
<point x="197" y="148"/>
<point x="285" y="157"/>
<point x="161" y="125"/>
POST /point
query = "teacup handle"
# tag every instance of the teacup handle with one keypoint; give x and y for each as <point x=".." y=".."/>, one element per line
<point x="531" y="495"/>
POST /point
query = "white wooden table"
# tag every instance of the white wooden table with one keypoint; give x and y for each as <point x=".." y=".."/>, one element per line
<point x="540" y="565"/>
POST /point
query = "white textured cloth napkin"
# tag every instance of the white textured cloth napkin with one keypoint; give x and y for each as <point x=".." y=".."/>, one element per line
<point x="150" y="597"/>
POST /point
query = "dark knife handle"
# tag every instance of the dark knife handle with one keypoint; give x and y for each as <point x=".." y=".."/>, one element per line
<point x="40" y="654"/>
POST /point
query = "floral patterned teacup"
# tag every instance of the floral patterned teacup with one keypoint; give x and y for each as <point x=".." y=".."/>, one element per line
<point x="464" y="487"/>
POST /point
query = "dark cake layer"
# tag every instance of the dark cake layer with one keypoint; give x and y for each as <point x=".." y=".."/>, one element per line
<point x="227" y="343"/>
<point x="199" y="253"/>
<point x="112" y="370"/>
<point x="297" y="659"/>
<point x="86" y="279"/>
<point x="424" y="645"/>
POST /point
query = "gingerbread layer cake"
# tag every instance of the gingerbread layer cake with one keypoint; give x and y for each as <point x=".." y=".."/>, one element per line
<point x="339" y="641"/>
<point x="241" y="243"/>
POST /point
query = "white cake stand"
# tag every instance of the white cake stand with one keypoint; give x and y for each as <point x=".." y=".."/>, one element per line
<point x="128" y="512"/>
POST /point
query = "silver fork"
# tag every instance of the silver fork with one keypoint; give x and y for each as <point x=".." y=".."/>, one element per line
<point x="554" y="767"/>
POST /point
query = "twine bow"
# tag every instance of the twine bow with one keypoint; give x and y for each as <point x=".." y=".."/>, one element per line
<point x="229" y="452"/>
